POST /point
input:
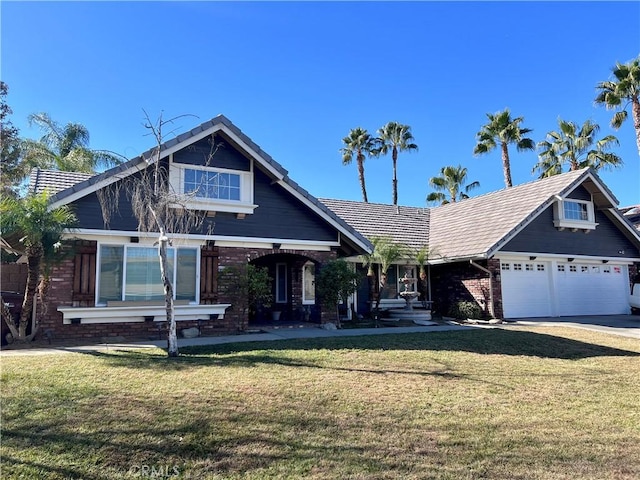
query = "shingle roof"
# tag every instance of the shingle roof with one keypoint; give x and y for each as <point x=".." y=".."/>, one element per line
<point x="495" y="215"/>
<point x="472" y="228"/>
<point x="407" y="225"/>
<point x="91" y="184"/>
<point x="54" y="181"/>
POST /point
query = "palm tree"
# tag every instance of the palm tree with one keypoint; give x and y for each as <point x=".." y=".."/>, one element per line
<point x="626" y="88"/>
<point x="65" y="148"/>
<point x="503" y="130"/>
<point x="577" y="147"/>
<point x="452" y="180"/>
<point x="398" y="138"/>
<point x="361" y="144"/>
<point x="40" y="230"/>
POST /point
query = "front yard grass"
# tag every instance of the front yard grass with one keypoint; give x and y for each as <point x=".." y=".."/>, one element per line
<point x="535" y="403"/>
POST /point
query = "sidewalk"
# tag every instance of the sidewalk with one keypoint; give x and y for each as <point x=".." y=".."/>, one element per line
<point x="267" y="335"/>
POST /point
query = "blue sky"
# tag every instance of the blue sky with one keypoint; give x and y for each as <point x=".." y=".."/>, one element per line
<point x="297" y="76"/>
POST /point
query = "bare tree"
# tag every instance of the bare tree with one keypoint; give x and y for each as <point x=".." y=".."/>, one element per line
<point x="158" y="208"/>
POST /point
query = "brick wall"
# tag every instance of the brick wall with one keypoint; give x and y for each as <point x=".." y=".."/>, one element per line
<point x="61" y="294"/>
<point x="456" y="282"/>
<point x="232" y="256"/>
<point x="13" y="277"/>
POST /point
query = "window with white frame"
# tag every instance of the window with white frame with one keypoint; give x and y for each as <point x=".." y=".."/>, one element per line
<point x="212" y="184"/>
<point x="574" y="214"/>
<point x="309" y="284"/>
<point x="215" y="189"/>
<point x="132" y="273"/>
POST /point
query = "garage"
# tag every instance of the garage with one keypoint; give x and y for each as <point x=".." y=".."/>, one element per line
<point x="585" y="289"/>
<point x="552" y="289"/>
<point x="525" y="289"/>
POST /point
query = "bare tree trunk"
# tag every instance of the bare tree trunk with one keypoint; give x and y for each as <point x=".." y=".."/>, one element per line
<point x="635" y="111"/>
<point x="172" y="337"/>
<point x="506" y="165"/>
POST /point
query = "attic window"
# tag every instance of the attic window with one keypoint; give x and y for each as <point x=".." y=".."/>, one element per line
<point x="574" y="214"/>
<point x="213" y="189"/>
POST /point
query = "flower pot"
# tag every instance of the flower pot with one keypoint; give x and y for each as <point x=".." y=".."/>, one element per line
<point x="275" y="315"/>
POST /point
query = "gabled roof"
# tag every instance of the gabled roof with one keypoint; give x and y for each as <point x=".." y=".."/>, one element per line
<point x="239" y="140"/>
<point x="476" y="227"/>
<point x="479" y="226"/>
<point x="54" y="181"/>
<point x="407" y="225"/>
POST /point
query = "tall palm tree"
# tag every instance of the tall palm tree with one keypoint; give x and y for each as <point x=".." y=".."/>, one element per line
<point x="576" y="147"/>
<point x="504" y="131"/>
<point x="452" y="180"/>
<point x="40" y="230"/>
<point x="360" y="144"/>
<point x="65" y="148"/>
<point x="398" y="138"/>
<point x="626" y="87"/>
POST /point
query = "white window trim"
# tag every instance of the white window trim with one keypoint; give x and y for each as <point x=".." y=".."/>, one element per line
<point x="306" y="301"/>
<point x="561" y="222"/>
<point x="124" y="270"/>
<point x="245" y="205"/>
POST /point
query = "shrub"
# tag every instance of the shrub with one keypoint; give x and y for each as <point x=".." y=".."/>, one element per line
<point x="465" y="310"/>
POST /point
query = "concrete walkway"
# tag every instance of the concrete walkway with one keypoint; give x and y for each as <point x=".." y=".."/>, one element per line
<point x="623" y="325"/>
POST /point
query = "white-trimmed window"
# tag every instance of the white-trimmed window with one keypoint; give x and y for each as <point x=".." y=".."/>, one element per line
<point x="574" y="214"/>
<point x="309" y="284"/>
<point x="212" y="184"/>
<point x="132" y="273"/>
<point x="213" y="189"/>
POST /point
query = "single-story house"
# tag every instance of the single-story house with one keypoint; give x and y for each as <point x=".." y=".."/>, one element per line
<point x="552" y="247"/>
<point x="548" y="248"/>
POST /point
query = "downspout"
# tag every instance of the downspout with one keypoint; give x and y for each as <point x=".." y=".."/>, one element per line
<point x="480" y="267"/>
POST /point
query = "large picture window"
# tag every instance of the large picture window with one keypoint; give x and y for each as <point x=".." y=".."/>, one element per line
<point x="132" y="273"/>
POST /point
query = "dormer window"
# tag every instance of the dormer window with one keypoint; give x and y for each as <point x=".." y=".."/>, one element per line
<point x="574" y="214"/>
<point x="212" y="184"/>
<point x="213" y="189"/>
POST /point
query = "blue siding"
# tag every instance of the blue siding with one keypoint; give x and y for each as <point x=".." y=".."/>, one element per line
<point x="225" y="155"/>
<point x="279" y="215"/>
<point x="540" y="236"/>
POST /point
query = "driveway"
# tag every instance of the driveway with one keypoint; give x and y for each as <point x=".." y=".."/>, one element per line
<point x="624" y="325"/>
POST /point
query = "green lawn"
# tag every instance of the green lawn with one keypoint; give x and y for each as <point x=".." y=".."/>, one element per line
<point x="532" y="403"/>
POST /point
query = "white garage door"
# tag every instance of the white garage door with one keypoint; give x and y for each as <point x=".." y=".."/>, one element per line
<point x="585" y="289"/>
<point x="525" y="289"/>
